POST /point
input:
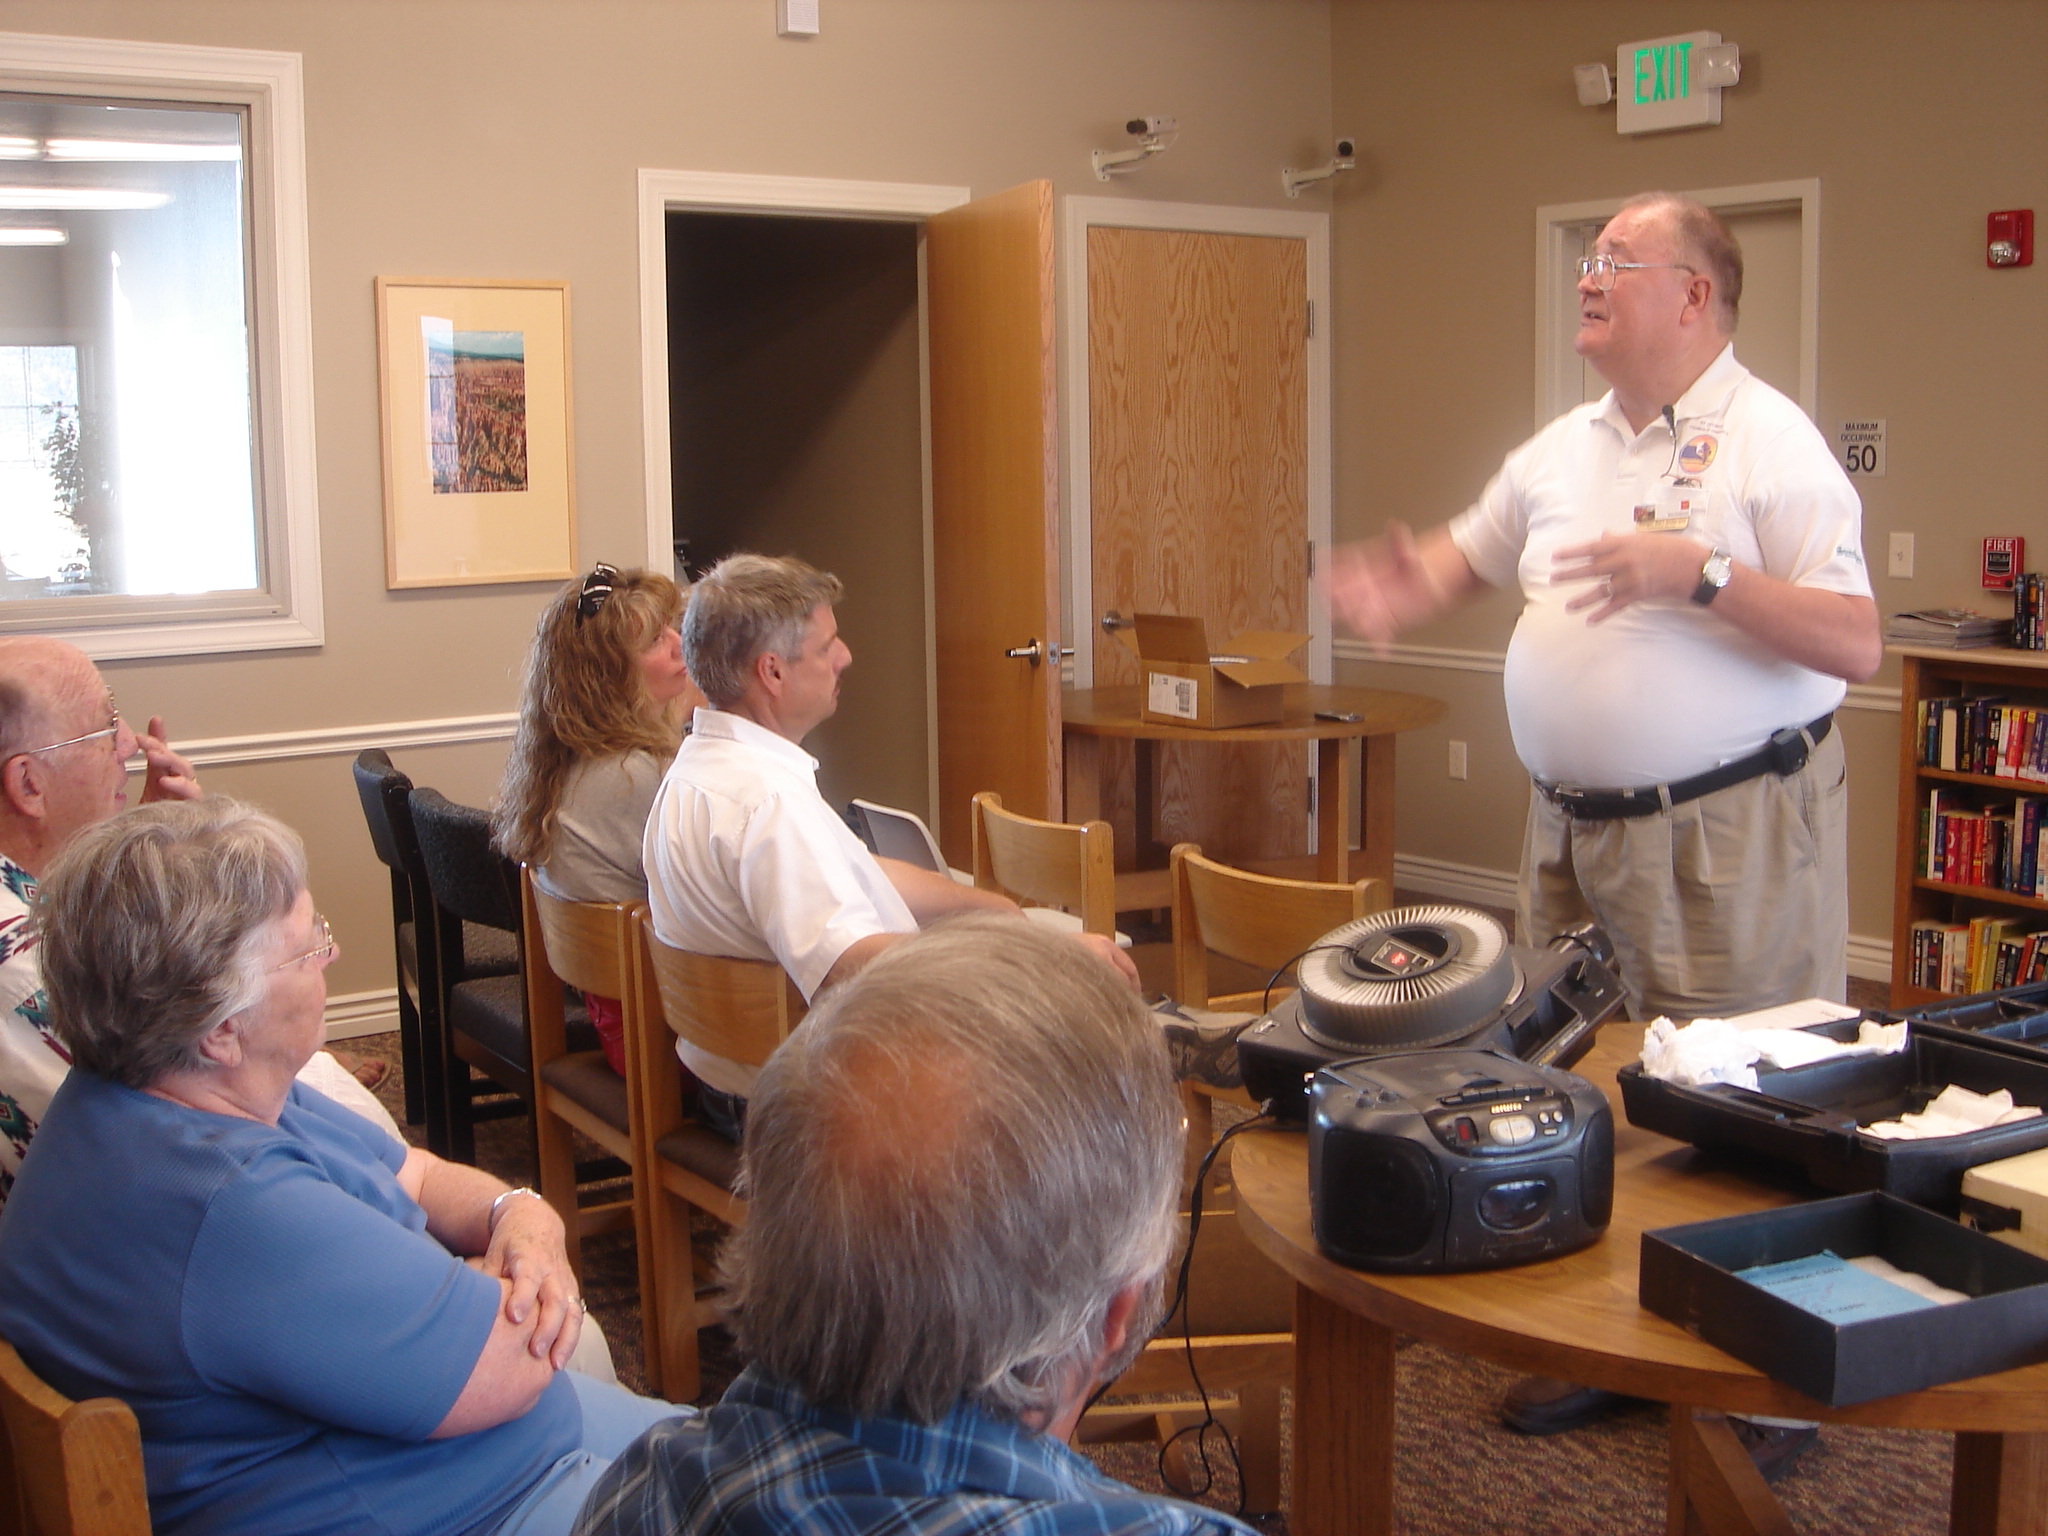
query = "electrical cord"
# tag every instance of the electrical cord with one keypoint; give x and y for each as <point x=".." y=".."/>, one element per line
<point x="1180" y="1305"/>
<point x="1266" y="997"/>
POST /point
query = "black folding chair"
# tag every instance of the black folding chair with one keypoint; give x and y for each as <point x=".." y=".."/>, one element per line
<point x="385" y="793"/>
<point x="482" y="1012"/>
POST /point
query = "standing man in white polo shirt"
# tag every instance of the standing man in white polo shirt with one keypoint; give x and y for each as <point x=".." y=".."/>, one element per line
<point x="1695" y="604"/>
<point x="744" y="857"/>
<point x="1690" y="556"/>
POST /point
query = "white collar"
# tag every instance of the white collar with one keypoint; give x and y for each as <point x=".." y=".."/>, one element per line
<point x="720" y="724"/>
<point x="1707" y="395"/>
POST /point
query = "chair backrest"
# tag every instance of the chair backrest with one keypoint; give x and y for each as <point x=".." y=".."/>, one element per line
<point x="895" y="834"/>
<point x="77" y="1467"/>
<point x="386" y="793"/>
<point x="470" y="879"/>
<point x="739" y="1009"/>
<point x="589" y="945"/>
<point x="1046" y="863"/>
<point x="1259" y="920"/>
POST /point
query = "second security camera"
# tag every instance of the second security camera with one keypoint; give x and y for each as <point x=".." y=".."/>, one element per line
<point x="1151" y="127"/>
<point x="1347" y="149"/>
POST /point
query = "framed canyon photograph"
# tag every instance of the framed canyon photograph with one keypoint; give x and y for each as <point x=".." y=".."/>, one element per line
<point x="474" y="383"/>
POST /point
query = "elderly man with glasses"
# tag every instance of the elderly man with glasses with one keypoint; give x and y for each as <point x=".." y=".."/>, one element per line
<point x="1695" y="604"/>
<point x="64" y="752"/>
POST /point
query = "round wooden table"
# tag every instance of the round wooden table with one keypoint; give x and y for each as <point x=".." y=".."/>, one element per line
<point x="1577" y="1317"/>
<point x="1347" y="752"/>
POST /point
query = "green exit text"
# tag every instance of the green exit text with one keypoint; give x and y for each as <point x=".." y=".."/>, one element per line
<point x="1663" y="73"/>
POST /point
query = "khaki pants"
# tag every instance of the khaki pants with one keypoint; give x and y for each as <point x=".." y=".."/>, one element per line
<point x="1734" y="901"/>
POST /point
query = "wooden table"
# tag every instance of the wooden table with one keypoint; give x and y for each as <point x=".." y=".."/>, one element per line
<point x="1088" y="715"/>
<point x="1577" y="1317"/>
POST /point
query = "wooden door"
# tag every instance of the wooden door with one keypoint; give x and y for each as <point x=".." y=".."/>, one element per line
<point x="995" y="505"/>
<point x="1198" y="457"/>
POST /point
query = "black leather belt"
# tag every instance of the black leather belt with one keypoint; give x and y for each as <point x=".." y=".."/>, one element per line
<point x="1784" y="754"/>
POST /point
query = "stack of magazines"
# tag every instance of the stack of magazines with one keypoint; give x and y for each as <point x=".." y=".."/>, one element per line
<point x="1956" y="629"/>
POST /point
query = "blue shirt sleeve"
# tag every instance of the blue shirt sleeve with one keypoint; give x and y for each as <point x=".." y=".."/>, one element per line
<point x="303" y="1294"/>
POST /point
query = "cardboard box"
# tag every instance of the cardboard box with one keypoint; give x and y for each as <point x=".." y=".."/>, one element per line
<point x="1688" y="1277"/>
<point x="1182" y="681"/>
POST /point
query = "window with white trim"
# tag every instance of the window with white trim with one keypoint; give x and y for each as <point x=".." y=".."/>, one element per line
<point x="156" y="476"/>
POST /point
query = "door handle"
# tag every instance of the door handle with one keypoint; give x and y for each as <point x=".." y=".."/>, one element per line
<point x="1036" y="652"/>
<point x="1113" y="621"/>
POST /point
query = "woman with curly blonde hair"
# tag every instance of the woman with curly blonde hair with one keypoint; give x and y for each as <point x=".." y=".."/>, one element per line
<point x="603" y="708"/>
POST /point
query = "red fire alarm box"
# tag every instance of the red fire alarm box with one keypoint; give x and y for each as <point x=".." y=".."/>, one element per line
<point x="2009" y="238"/>
<point x="2003" y="561"/>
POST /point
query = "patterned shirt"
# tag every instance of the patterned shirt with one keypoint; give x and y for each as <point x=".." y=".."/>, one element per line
<point x="32" y="1064"/>
<point x="765" y="1462"/>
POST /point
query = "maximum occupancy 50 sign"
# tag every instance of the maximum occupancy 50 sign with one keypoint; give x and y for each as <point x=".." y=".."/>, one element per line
<point x="1859" y="447"/>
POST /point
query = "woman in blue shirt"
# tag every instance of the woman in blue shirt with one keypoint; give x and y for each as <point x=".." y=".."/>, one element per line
<point x="320" y="1329"/>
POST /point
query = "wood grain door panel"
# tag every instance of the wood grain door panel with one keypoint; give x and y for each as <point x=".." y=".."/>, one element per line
<point x="1198" y="451"/>
<point x="995" y="504"/>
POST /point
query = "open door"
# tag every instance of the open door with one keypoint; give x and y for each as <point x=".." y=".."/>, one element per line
<point x="995" y="505"/>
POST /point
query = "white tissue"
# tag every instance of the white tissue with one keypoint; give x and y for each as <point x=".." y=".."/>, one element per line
<point x="1955" y="1111"/>
<point x="1704" y="1052"/>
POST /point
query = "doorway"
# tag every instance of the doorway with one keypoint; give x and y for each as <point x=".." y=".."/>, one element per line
<point x="796" y="427"/>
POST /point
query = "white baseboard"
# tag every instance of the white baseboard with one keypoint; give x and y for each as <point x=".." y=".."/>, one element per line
<point x="1869" y="959"/>
<point x="362" y="1013"/>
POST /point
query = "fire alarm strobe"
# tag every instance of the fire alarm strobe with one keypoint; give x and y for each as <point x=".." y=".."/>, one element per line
<point x="2009" y="238"/>
<point x="2003" y="560"/>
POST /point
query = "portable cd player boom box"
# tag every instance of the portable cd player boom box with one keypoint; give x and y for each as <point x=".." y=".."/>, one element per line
<point x="1456" y="1159"/>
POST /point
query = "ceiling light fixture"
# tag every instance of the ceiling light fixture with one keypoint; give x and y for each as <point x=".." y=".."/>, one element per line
<point x="32" y="236"/>
<point x="138" y="149"/>
<point x="78" y="199"/>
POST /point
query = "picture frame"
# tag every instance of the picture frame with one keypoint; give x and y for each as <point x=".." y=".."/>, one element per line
<point x="473" y="385"/>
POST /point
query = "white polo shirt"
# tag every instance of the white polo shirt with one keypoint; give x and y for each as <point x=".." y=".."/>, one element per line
<point x="1666" y="688"/>
<point x="744" y="858"/>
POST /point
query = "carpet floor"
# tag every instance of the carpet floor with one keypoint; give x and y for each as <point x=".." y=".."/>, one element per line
<point x="1459" y="1470"/>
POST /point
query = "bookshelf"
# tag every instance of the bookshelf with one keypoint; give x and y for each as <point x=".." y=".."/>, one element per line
<point x="2018" y="678"/>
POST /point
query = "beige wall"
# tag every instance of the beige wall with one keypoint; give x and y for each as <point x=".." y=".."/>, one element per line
<point x="1917" y="118"/>
<point x="500" y="138"/>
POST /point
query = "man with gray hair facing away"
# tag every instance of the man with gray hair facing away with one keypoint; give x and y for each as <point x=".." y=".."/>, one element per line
<point x="744" y="858"/>
<point x="963" y="1177"/>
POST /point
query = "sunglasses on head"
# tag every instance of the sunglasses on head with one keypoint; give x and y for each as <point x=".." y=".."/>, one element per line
<point x="598" y="587"/>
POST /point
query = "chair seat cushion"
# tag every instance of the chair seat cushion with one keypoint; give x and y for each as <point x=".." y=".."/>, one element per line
<point x="492" y="1012"/>
<point x="586" y="1078"/>
<point x="488" y="951"/>
<point x="702" y="1152"/>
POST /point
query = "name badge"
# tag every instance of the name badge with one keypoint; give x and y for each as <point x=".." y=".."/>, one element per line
<point x="1672" y="509"/>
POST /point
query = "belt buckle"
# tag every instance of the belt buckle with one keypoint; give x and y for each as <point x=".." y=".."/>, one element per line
<point x="1566" y="797"/>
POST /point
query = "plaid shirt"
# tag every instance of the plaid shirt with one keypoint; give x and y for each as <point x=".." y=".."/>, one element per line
<point x="765" y="1463"/>
<point x="32" y="1064"/>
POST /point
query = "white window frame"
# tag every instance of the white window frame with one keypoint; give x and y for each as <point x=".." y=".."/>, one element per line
<point x="270" y="86"/>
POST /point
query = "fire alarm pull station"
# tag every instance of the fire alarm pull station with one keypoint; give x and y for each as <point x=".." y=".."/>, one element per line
<point x="2003" y="559"/>
<point x="2009" y="238"/>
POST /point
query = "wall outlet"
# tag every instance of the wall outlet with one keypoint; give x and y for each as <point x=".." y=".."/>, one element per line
<point x="1899" y="562"/>
<point x="1457" y="768"/>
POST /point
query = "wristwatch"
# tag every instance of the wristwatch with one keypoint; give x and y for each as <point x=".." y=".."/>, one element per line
<point x="1713" y="577"/>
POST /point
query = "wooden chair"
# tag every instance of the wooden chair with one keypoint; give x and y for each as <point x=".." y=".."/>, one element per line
<point x="593" y="946"/>
<point x="741" y="1010"/>
<point x="73" y="1469"/>
<point x="1257" y="920"/>
<point x="1046" y="863"/>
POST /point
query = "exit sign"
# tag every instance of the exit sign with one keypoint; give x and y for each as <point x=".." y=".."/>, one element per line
<point x="1656" y="85"/>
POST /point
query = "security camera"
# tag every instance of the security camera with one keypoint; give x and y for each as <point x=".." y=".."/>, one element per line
<point x="1151" y="127"/>
<point x="1345" y="159"/>
<point x="1347" y="149"/>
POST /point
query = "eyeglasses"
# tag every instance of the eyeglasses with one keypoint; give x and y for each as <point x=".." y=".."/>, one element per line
<point x="598" y="587"/>
<point x="1602" y="268"/>
<point x="112" y="729"/>
<point x="323" y="951"/>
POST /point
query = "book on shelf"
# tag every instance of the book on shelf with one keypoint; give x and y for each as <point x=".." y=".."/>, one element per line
<point x="1953" y="628"/>
<point x="2030" y="612"/>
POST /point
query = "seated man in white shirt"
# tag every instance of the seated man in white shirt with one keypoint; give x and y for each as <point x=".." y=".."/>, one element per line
<point x="743" y="856"/>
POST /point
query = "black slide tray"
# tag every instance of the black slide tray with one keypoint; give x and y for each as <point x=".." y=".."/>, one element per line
<point x="1688" y="1277"/>
<point x="1810" y="1117"/>
<point x="2016" y="1015"/>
